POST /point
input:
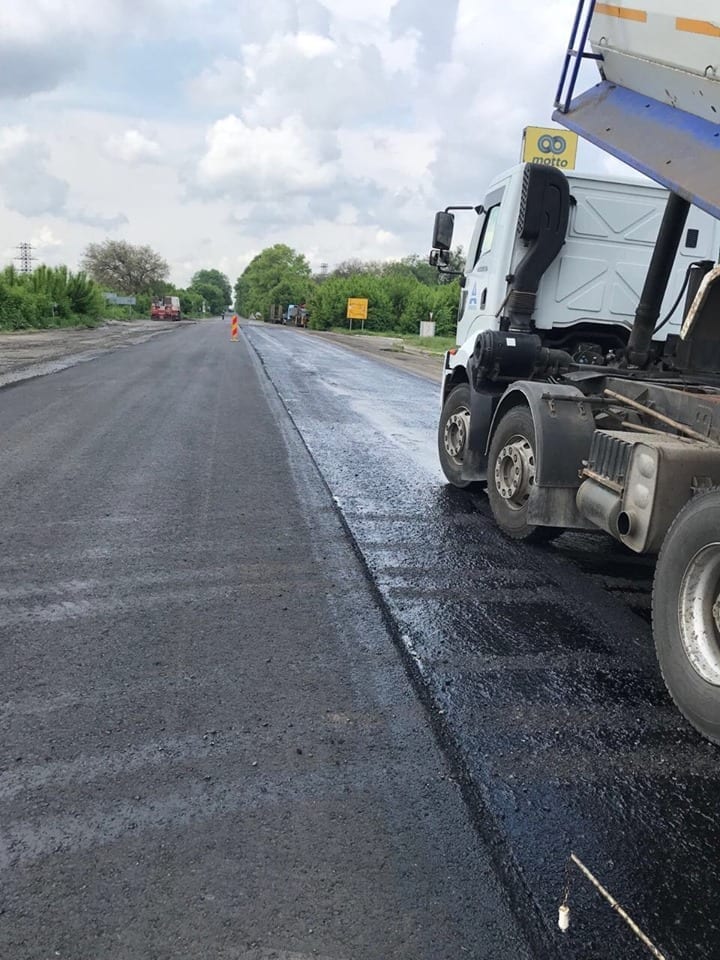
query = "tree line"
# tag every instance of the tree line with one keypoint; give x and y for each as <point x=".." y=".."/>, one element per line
<point x="127" y="269"/>
<point x="57" y="296"/>
<point x="400" y="293"/>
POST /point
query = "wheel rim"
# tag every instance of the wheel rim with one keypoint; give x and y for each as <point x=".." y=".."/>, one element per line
<point x="699" y="613"/>
<point x="515" y="471"/>
<point x="455" y="435"/>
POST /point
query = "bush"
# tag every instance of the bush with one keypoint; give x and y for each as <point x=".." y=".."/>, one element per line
<point x="328" y="302"/>
<point x="48" y="297"/>
<point x="441" y="301"/>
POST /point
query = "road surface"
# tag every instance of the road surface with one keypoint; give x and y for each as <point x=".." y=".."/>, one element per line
<point x="536" y="663"/>
<point x="221" y="563"/>
<point x="211" y="746"/>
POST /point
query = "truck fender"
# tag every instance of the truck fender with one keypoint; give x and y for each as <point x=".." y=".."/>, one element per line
<point x="482" y="408"/>
<point x="564" y="427"/>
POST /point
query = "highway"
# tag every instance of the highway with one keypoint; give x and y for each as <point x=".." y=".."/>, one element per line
<point x="273" y="690"/>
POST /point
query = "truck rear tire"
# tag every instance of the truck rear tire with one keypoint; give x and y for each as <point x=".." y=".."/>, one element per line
<point x="511" y="475"/>
<point x="686" y="612"/>
<point x="453" y="431"/>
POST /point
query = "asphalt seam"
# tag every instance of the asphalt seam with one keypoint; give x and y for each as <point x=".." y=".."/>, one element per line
<point x="524" y="908"/>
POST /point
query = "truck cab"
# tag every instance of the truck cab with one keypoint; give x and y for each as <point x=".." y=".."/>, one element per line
<point x="588" y="294"/>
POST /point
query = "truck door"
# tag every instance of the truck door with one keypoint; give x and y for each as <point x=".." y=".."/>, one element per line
<point x="485" y="283"/>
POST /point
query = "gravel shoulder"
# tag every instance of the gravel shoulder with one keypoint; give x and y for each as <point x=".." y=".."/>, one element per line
<point x="32" y="353"/>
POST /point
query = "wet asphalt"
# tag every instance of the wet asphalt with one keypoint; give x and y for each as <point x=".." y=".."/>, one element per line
<point x="211" y="747"/>
<point x="536" y="666"/>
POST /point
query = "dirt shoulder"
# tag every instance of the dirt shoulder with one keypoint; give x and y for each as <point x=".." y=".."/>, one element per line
<point x="389" y="350"/>
<point x="31" y="353"/>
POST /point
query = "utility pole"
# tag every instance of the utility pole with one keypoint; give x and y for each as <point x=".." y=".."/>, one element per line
<point x="25" y="257"/>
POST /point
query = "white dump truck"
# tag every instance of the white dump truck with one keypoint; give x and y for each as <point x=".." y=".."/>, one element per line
<point x="585" y="388"/>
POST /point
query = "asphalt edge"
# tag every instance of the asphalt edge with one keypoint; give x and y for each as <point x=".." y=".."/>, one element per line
<point x="523" y="907"/>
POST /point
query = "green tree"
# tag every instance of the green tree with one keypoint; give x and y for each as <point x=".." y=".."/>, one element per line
<point x="191" y="302"/>
<point x="278" y="274"/>
<point x="413" y="266"/>
<point x="442" y="301"/>
<point x="214" y="287"/>
<point x="215" y="300"/>
<point x="125" y="268"/>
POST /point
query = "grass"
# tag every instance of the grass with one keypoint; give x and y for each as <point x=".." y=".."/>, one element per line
<point x="429" y="344"/>
<point x="437" y="345"/>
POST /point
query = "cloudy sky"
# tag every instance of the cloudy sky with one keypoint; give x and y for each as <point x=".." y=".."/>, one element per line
<point x="213" y="128"/>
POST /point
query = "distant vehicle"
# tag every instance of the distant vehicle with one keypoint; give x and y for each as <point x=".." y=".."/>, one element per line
<point x="297" y="315"/>
<point x="166" y="308"/>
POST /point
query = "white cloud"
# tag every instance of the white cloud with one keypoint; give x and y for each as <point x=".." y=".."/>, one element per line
<point x="45" y="240"/>
<point x="328" y="81"/>
<point x="133" y="147"/>
<point x="385" y="238"/>
<point x="394" y="159"/>
<point x="312" y="45"/>
<point x="258" y="161"/>
<point x="13" y="141"/>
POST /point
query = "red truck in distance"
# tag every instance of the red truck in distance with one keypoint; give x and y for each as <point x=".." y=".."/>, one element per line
<point x="165" y="308"/>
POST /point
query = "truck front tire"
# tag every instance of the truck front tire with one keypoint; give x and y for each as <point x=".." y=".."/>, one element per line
<point x="511" y="476"/>
<point x="686" y="612"/>
<point x="453" y="431"/>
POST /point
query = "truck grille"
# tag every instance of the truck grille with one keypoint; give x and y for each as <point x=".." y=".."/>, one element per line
<point x="609" y="456"/>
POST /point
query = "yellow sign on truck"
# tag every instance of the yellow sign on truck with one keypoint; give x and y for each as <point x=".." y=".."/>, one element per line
<point x="357" y="308"/>
<point x="551" y="146"/>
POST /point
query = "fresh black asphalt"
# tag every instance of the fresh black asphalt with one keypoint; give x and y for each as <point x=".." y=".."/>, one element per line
<point x="211" y="748"/>
<point x="537" y="665"/>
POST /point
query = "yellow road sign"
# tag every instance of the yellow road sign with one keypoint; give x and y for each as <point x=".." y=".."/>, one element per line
<point x="357" y="308"/>
<point x="550" y="145"/>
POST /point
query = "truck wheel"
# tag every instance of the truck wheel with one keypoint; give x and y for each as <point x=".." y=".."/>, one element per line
<point x="686" y="612"/>
<point x="511" y="475"/>
<point x="453" y="431"/>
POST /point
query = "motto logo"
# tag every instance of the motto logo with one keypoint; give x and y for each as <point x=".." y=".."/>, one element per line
<point x="551" y="147"/>
<point x="548" y="144"/>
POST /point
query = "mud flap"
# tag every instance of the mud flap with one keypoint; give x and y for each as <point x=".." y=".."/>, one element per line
<point x="482" y="410"/>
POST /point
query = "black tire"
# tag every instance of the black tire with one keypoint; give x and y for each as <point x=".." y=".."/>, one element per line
<point x="516" y="428"/>
<point x="685" y="653"/>
<point x="454" y="419"/>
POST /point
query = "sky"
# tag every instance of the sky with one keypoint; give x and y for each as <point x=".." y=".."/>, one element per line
<point x="211" y="129"/>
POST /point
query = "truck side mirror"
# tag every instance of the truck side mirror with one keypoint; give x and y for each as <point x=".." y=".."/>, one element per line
<point x="439" y="258"/>
<point x="443" y="230"/>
